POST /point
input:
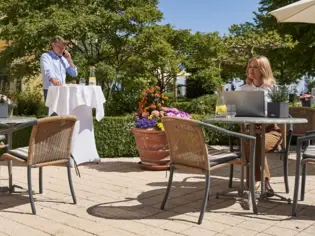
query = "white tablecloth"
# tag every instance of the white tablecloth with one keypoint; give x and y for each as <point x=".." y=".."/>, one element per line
<point x="79" y="100"/>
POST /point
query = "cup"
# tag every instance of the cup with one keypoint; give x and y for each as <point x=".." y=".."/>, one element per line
<point x="230" y="111"/>
<point x="82" y="81"/>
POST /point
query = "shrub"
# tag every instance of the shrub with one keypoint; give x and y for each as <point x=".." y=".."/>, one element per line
<point x="203" y="105"/>
<point x="30" y="103"/>
<point x="113" y="136"/>
<point x="121" y="103"/>
<point x="184" y="106"/>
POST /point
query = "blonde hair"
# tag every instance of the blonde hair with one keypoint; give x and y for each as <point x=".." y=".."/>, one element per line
<point x="265" y="70"/>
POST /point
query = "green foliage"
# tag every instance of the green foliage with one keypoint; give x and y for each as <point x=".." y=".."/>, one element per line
<point x="183" y="106"/>
<point x="204" y="58"/>
<point x="248" y="40"/>
<point x="29" y="103"/>
<point x="279" y="93"/>
<point x="194" y="88"/>
<point x="289" y="65"/>
<point x="114" y="138"/>
<point x="125" y="100"/>
<point x="203" y="105"/>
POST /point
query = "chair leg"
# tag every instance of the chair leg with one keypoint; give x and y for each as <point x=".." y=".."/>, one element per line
<point x="297" y="178"/>
<point x="71" y="184"/>
<point x="285" y="160"/>
<point x="285" y="173"/>
<point x="231" y="175"/>
<point x="303" y="181"/>
<point x="40" y="180"/>
<point x="30" y="191"/>
<point x="169" y="185"/>
<point x="205" y="199"/>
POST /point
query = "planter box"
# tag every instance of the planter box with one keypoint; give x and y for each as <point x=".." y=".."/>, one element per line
<point x="278" y="109"/>
<point x="306" y="103"/>
<point x="4" y="108"/>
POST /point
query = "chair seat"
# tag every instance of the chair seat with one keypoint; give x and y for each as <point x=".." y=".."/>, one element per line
<point x="21" y="153"/>
<point x="218" y="157"/>
<point x="309" y="152"/>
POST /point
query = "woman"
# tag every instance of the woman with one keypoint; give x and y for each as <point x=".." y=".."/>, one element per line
<point x="260" y="78"/>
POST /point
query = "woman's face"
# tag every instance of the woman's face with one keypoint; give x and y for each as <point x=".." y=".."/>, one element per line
<point x="253" y="73"/>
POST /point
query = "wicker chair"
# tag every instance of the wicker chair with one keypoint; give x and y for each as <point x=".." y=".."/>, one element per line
<point x="188" y="151"/>
<point x="302" y="159"/>
<point x="49" y="144"/>
<point x="303" y="112"/>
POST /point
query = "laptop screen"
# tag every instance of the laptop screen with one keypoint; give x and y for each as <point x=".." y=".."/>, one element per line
<point x="247" y="103"/>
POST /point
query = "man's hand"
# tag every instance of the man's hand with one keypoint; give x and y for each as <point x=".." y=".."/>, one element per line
<point x="67" y="55"/>
<point x="55" y="82"/>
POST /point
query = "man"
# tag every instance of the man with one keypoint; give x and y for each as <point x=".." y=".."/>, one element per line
<point x="55" y="64"/>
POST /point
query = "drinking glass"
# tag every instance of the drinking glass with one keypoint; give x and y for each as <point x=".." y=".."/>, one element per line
<point x="230" y="110"/>
<point x="82" y="81"/>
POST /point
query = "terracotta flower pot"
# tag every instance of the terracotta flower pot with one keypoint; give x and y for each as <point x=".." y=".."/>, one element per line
<point x="153" y="148"/>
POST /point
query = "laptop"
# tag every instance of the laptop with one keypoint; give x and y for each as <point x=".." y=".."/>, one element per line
<point x="247" y="103"/>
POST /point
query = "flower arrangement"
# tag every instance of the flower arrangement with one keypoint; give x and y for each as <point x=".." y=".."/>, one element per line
<point x="306" y="97"/>
<point x="8" y="104"/>
<point x="151" y="109"/>
<point x="5" y="99"/>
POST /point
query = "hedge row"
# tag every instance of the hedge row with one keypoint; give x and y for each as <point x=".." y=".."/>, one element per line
<point x="114" y="138"/>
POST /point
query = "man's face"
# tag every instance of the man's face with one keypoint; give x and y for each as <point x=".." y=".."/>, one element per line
<point x="58" y="48"/>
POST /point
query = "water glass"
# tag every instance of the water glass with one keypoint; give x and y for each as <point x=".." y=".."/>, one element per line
<point x="230" y="110"/>
<point x="82" y="81"/>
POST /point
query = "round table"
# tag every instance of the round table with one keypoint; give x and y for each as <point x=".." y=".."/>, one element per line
<point x="79" y="100"/>
<point x="253" y="121"/>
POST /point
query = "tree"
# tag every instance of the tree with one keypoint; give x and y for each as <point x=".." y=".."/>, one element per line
<point x="161" y="60"/>
<point x="290" y="64"/>
<point x="205" y="54"/>
<point x="246" y="41"/>
<point x="102" y="32"/>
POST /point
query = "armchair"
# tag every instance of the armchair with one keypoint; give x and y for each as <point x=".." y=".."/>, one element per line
<point x="188" y="151"/>
<point x="303" y="157"/>
<point x="49" y="144"/>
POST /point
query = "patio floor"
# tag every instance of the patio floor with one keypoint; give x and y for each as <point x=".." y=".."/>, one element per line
<point x="116" y="197"/>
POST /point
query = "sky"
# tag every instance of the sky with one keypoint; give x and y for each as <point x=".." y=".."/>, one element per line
<point x="207" y="15"/>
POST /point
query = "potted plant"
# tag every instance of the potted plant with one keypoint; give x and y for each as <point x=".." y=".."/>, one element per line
<point x="149" y="133"/>
<point x="279" y="105"/>
<point x="306" y="99"/>
<point x="6" y="106"/>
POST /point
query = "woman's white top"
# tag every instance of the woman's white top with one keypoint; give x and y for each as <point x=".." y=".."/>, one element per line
<point x="264" y="88"/>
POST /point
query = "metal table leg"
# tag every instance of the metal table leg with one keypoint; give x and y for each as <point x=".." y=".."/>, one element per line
<point x="266" y="193"/>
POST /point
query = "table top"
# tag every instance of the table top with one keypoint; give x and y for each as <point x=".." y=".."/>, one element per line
<point x="64" y="99"/>
<point x="16" y="120"/>
<point x="255" y="120"/>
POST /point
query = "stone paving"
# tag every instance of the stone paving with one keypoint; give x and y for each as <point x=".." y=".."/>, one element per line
<point x="116" y="197"/>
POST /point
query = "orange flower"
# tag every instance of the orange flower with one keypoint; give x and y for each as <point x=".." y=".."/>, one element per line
<point x="153" y="106"/>
<point x="156" y="95"/>
<point x="159" y="104"/>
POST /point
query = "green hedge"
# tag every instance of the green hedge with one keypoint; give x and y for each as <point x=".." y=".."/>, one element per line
<point x="114" y="138"/>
